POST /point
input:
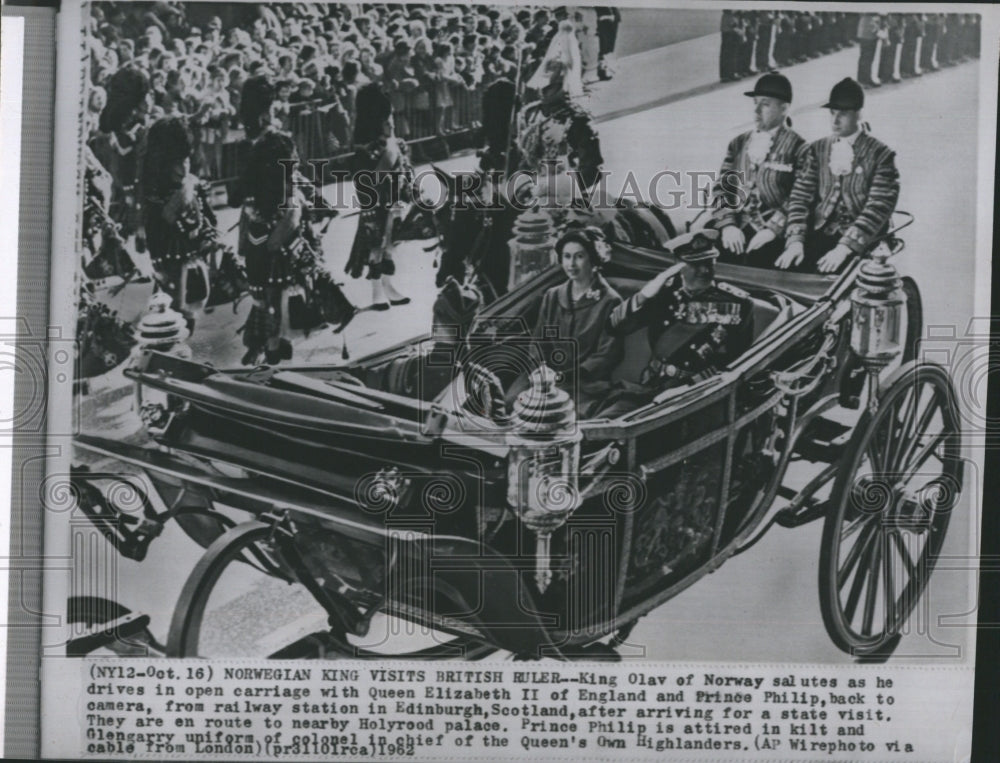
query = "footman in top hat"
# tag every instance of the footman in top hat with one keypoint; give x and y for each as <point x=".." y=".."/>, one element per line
<point x="695" y="324"/>
<point x="846" y="193"/>
<point x="750" y="196"/>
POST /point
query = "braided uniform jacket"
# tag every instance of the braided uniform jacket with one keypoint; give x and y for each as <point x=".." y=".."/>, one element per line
<point x="559" y="132"/>
<point x="691" y="336"/>
<point x="744" y="195"/>
<point x="857" y="206"/>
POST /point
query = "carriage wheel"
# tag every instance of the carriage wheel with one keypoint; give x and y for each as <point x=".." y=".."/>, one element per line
<point x="236" y="597"/>
<point x="889" y="511"/>
<point x="239" y="601"/>
<point x="914" y="319"/>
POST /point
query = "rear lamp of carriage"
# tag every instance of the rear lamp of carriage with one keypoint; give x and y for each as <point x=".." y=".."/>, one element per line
<point x="161" y="329"/>
<point x="878" y="317"/>
<point x="543" y="464"/>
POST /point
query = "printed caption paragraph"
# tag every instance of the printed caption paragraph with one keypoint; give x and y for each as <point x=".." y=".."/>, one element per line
<point x="301" y="711"/>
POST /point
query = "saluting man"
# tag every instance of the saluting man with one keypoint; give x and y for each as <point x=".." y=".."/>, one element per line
<point x="695" y="324"/>
<point x="846" y="193"/>
<point x="751" y="193"/>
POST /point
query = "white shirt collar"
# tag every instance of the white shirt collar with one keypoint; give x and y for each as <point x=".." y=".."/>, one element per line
<point x="850" y="139"/>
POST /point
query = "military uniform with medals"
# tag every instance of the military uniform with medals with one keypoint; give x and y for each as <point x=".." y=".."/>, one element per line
<point x="692" y="336"/>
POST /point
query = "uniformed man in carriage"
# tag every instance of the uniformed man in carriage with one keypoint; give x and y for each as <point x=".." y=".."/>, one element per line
<point x="559" y="148"/>
<point x="845" y="195"/>
<point x="696" y="325"/>
<point x="477" y="228"/>
<point x="750" y="196"/>
<point x="556" y="135"/>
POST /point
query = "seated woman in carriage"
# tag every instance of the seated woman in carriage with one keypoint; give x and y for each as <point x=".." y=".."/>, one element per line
<point x="578" y="310"/>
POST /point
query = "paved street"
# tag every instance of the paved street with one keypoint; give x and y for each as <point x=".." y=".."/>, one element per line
<point x="761" y="606"/>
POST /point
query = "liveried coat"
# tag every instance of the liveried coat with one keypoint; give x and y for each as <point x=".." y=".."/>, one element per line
<point x="743" y="190"/>
<point x="857" y="205"/>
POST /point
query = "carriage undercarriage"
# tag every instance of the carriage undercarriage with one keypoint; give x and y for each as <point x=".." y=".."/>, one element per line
<point x="889" y="560"/>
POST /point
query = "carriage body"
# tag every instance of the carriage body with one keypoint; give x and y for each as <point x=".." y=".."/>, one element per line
<point x="386" y="489"/>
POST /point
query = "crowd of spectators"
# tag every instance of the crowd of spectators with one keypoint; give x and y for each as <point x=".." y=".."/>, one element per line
<point x="434" y="62"/>
<point x="911" y="43"/>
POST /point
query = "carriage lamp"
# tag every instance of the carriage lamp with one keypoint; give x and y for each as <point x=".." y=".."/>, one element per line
<point x="878" y="318"/>
<point x="530" y="246"/>
<point x="543" y="463"/>
<point x="165" y="330"/>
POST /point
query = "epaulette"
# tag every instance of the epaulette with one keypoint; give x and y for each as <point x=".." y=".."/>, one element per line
<point x="733" y="290"/>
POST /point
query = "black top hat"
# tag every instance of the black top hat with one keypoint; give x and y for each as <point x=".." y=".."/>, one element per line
<point x="847" y="95"/>
<point x="698" y="246"/>
<point x="773" y="85"/>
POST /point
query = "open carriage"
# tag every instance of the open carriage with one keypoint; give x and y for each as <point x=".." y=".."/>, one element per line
<point x="395" y="486"/>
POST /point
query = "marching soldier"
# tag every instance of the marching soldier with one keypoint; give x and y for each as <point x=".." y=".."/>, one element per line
<point x="695" y="324"/>
<point x="751" y="194"/>
<point x="179" y="226"/>
<point x="845" y="194"/>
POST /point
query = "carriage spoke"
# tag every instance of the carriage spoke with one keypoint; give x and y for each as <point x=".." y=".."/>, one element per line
<point x="871" y="595"/>
<point x="890" y="585"/>
<point x="904" y="554"/>
<point x="863" y="568"/>
<point x="926" y="451"/>
<point x="900" y="440"/>
<point x="852" y="528"/>
<point x="852" y="556"/>
<point x="877" y="452"/>
<point x="914" y="436"/>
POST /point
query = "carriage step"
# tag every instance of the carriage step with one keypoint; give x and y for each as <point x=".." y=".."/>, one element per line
<point x="803" y="515"/>
<point x="823" y="440"/>
<point x="315" y="646"/>
<point x="120" y="629"/>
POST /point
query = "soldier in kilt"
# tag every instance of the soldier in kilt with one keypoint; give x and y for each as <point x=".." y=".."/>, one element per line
<point x="179" y="225"/>
<point x="382" y="176"/>
<point x="289" y="287"/>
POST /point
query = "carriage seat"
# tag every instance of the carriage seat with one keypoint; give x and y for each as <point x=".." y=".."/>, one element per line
<point x="767" y="316"/>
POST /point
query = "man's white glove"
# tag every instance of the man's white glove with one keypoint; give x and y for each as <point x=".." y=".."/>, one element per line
<point x="794" y="254"/>
<point x="733" y="239"/>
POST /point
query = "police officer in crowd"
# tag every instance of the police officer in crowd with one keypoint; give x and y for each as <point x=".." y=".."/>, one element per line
<point x="751" y="193"/>
<point x="845" y="193"/>
<point x="695" y="324"/>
